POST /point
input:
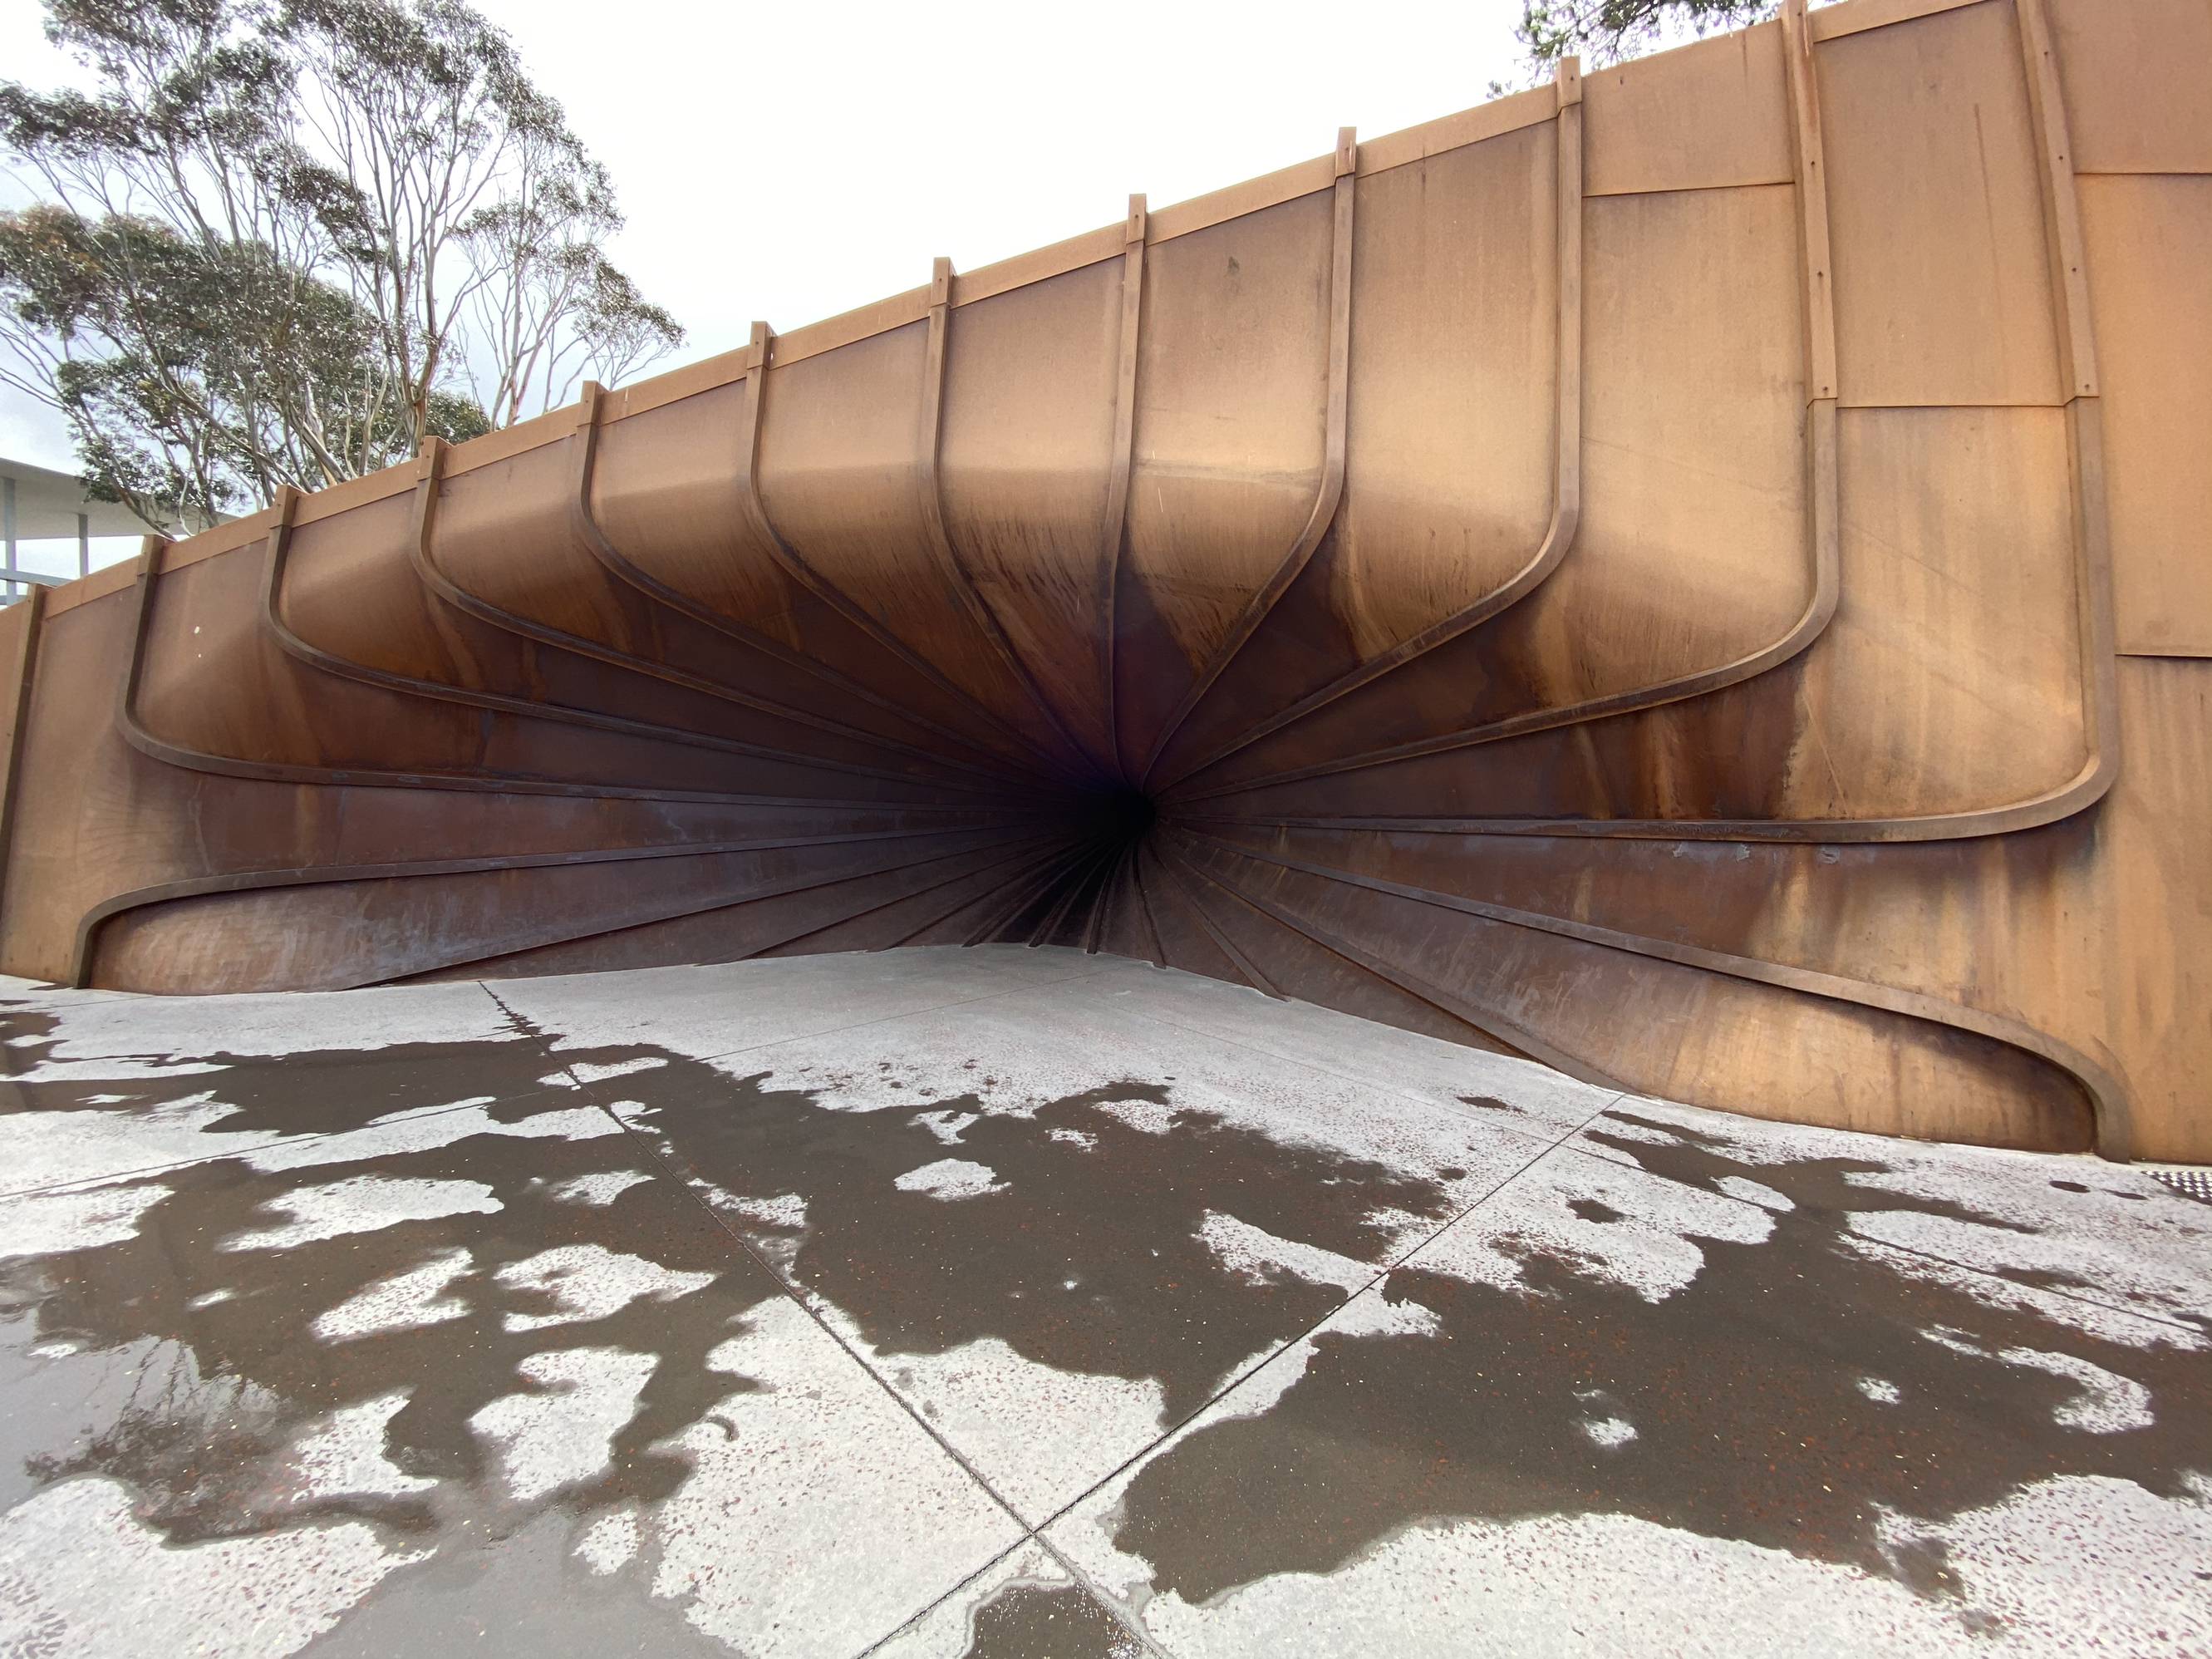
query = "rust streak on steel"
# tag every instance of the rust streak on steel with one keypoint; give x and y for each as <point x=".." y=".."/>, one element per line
<point x="595" y="538"/>
<point x="1343" y="193"/>
<point x="1566" y="453"/>
<point x="1692" y="574"/>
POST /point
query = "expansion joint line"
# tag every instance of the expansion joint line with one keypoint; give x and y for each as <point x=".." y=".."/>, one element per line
<point x="678" y="1170"/>
<point x="1397" y="1261"/>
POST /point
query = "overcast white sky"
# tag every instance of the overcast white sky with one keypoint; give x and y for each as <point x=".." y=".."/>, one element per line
<point x="792" y="161"/>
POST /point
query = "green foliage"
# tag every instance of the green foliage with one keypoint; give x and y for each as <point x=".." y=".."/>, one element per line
<point x="1606" y="31"/>
<point x="289" y="240"/>
<point x="176" y="362"/>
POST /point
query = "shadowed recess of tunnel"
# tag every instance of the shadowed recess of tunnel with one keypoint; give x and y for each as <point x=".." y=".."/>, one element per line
<point x="1744" y="1388"/>
<point x="1748" y="1391"/>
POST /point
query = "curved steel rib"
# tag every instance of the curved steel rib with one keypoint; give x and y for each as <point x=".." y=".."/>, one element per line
<point x="2107" y="1096"/>
<point x="1822" y="545"/>
<point x="428" y="475"/>
<point x="800" y="571"/>
<point x="272" y="616"/>
<point x="1331" y="490"/>
<point x="2093" y="620"/>
<point x="239" y="881"/>
<point x="954" y="739"/>
<point x="626" y="570"/>
<point x="1566" y="458"/>
<point x="930" y="487"/>
<point x="1134" y="229"/>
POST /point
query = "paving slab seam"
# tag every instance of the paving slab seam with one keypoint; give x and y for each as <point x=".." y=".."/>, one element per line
<point x="1120" y="1615"/>
<point x="670" y="1166"/>
<point x="2062" y="1294"/>
<point x="1543" y="1151"/>
<point x="903" y="1013"/>
<point x="1034" y="1534"/>
<point x="1098" y="1593"/>
<point x="247" y="1151"/>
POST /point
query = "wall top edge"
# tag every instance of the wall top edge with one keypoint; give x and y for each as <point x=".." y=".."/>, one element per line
<point x="1494" y="119"/>
<point x="1857" y="16"/>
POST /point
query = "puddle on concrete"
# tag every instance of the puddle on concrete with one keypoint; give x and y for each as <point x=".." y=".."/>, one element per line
<point x="335" y="1315"/>
<point x="227" y="1368"/>
<point x="312" y="1092"/>
<point x="1030" y="1621"/>
<point x="1807" y="1392"/>
<point x="1070" y="1233"/>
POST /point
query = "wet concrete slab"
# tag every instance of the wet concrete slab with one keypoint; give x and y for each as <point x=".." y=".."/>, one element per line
<point x="1021" y="1303"/>
<point x="1027" y="1604"/>
<point x="1514" y="1094"/>
<point x="2080" y="1226"/>
<point x="722" y="1007"/>
<point x="1058" y="1226"/>
<point x="416" y="1377"/>
<point x="1610" y="1411"/>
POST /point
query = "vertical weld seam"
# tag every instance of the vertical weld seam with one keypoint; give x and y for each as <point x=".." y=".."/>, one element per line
<point x="930" y="488"/>
<point x="1330" y="492"/>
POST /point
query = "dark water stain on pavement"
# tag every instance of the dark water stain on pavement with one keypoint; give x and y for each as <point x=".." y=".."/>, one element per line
<point x="307" y="1092"/>
<point x="1746" y="1391"/>
<point x="1028" y="1621"/>
<point x="1087" y="1257"/>
<point x="1823" y="1189"/>
<point x="1491" y="1103"/>
<point x="221" y="1371"/>
<point x="1080" y="1248"/>
<point x="201" y="1369"/>
<point x="28" y="1034"/>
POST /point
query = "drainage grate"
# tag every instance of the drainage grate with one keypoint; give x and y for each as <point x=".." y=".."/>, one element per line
<point x="2195" y="1183"/>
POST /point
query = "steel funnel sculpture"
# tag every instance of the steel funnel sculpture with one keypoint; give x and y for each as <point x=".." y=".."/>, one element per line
<point x="1698" y="577"/>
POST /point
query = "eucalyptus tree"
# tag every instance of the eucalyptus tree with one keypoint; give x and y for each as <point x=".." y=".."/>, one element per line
<point x="1607" y="31"/>
<point x="284" y="241"/>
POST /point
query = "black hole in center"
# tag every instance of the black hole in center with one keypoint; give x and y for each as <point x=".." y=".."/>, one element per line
<point x="1062" y="898"/>
<point x="1124" y="815"/>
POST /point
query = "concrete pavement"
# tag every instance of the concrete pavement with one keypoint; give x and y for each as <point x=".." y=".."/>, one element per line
<point x="1010" y="1302"/>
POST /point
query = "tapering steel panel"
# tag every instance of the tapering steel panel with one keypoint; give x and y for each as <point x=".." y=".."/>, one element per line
<point x="1698" y="575"/>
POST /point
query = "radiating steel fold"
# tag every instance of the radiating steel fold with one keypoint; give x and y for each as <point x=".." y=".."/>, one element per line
<point x="1632" y="576"/>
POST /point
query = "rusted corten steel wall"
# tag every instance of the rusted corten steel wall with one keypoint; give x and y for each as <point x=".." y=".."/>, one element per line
<point x="1698" y="576"/>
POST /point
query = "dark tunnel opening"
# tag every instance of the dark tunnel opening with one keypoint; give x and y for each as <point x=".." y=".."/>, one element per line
<point x="1062" y="901"/>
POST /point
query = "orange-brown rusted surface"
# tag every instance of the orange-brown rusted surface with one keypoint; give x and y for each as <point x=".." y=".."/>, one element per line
<point x="1696" y="576"/>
